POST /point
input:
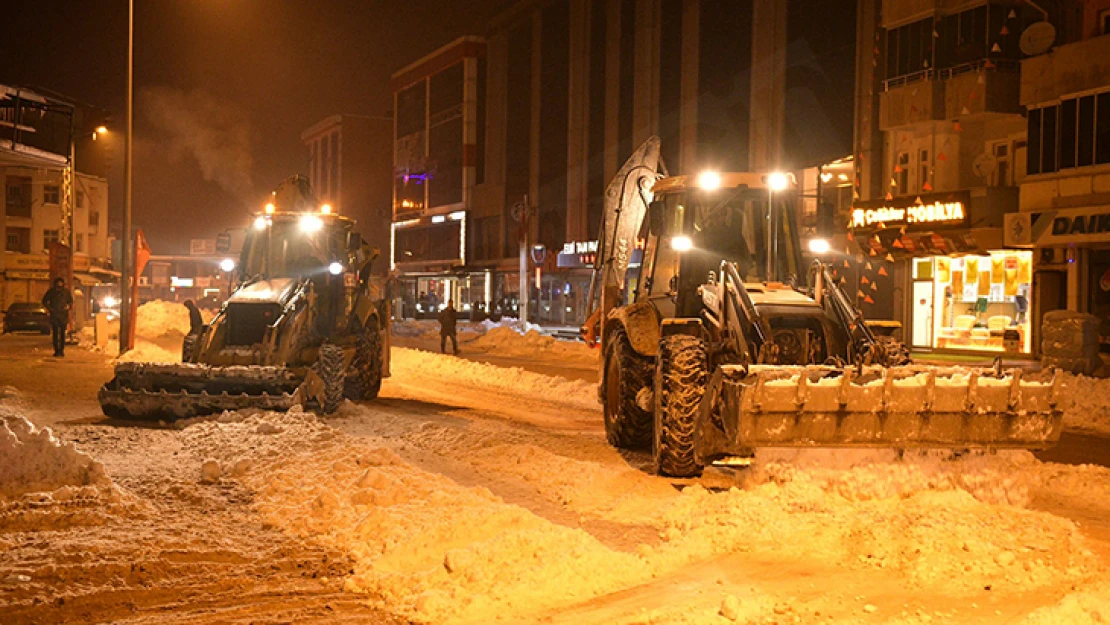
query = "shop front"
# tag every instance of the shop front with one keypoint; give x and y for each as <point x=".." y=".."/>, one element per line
<point x="961" y="291"/>
<point x="568" y="289"/>
<point x="1071" y="248"/>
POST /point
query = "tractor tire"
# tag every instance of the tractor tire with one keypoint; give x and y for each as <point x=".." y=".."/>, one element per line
<point x="897" y="354"/>
<point x="681" y="378"/>
<point x="364" y="376"/>
<point x="329" y="366"/>
<point x="627" y="425"/>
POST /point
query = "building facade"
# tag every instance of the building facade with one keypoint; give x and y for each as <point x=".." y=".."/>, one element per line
<point x="942" y="151"/>
<point x="349" y="165"/>
<point x="542" y="110"/>
<point x="1065" y="196"/>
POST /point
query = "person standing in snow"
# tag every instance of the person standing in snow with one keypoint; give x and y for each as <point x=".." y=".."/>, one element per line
<point x="57" y="301"/>
<point x="447" y="319"/>
<point x="196" y="322"/>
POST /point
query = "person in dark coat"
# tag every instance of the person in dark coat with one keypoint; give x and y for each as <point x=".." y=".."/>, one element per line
<point x="196" y="322"/>
<point x="58" y="301"/>
<point x="447" y="319"/>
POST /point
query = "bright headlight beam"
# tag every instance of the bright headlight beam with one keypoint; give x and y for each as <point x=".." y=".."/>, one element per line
<point x="778" y="181"/>
<point x="819" y="246"/>
<point x="681" y="244"/>
<point x="259" y="223"/>
<point x="335" y="268"/>
<point x="310" y="223"/>
<point x="227" y="265"/>
<point x="709" y="180"/>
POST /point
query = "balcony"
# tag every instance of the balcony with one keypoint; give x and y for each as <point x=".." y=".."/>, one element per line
<point x="911" y="99"/>
<point x="898" y="12"/>
<point x="1069" y="69"/>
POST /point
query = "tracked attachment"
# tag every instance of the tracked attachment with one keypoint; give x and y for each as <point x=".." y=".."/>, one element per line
<point x="902" y="407"/>
<point x="175" y="391"/>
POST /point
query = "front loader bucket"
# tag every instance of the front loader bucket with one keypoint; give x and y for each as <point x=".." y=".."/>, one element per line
<point x="174" y="391"/>
<point x="903" y="407"/>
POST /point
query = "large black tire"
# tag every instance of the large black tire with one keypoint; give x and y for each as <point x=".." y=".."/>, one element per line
<point x="627" y="425"/>
<point x="364" y="376"/>
<point x="895" y="351"/>
<point x="681" y="377"/>
<point x="329" y="366"/>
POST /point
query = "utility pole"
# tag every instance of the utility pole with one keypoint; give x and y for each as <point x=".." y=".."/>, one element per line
<point x="522" y="213"/>
<point x="125" y="320"/>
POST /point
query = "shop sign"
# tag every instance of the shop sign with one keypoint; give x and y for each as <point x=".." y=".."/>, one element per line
<point x="948" y="209"/>
<point x="202" y="247"/>
<point x="1061" y="227"/>
<point x="580" y="247"/>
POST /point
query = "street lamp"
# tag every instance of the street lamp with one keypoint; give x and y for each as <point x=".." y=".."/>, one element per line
<point x="227" y="266"/>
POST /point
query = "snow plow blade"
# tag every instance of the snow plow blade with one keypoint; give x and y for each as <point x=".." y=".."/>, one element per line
<point x="902" y="407"/>
<point x="176" y="391"/>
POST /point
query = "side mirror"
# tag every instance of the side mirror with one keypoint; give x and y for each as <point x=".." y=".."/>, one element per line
<point x="656" y="218"/>
<point x="354" y="242"/>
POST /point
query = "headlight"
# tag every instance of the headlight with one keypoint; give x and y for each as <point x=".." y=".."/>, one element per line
<point x="260" y="223"/>
<point x="819" y="246"/>
<point x="778" y="181"/>
<point x="681" y="244"/>
<point x="709" y="180"/>
<point x="311" y="223"/>
<point x="109" y="302"/>
<point x="227" y="265"/>
<point x="335" y="268"/>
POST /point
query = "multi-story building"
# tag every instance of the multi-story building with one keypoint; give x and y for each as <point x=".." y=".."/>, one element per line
<point x="543" y="109"/>
<point x="349" y="165"/>
<point x="1065" y="194"/>
<point x="35" y="148"/>
<point x="941" y="147"/>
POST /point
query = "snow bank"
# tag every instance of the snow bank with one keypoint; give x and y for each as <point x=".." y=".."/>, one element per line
<point x="160" y="330"/>
<point x="1085" y="403"/>
<point x="512" y="341"/>
<point x="34" y="461"/>
<point x="450" y="374"/>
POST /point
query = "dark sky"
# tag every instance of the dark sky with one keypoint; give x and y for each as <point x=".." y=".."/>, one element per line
<point x="223" y="88"/>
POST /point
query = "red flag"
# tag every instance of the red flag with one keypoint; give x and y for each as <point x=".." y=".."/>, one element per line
<point x="869" y="300"/>
<point x="882" y="270"/>
<point x="926" y="186"/>
<point x="864" y="280"/>
<point x="142" y="256"/>
<point x="874" y="286"/>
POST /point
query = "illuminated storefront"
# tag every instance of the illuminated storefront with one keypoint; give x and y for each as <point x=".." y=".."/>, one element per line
<point x="962" y="291"/>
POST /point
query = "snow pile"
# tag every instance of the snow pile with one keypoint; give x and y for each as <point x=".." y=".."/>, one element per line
<point x="1084" y="403"/>
<point x="1085" y="606"/>
<point x="415" y="328"/>
<point x="160" y="330"/>
<point x="414" y="367"/>
<point x="34" y="461"/>
<point x="511" y="341"/>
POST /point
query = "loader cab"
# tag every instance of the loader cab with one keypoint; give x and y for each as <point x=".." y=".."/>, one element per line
<point x="695" y="222"/>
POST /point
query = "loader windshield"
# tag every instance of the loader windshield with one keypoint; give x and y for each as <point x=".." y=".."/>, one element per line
<point x="283" y="249"/>
<point x="733" y="226"/>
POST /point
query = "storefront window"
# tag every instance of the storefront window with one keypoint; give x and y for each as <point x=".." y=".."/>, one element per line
<point x="978" y="303"/>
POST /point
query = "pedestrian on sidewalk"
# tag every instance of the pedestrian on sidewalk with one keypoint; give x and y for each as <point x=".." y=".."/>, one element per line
<point x="447" y="320"/>
<point x="57" y="301"/>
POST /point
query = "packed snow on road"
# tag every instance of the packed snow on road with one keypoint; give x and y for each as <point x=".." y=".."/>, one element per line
<point x="475" y="493"/>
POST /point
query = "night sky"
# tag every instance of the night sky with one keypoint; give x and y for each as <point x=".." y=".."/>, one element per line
<point x="223" y="88"/>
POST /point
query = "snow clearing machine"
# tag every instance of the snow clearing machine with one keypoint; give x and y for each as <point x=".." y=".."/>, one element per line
<point x="306" y="324"/>
<point x="726" y="341"/>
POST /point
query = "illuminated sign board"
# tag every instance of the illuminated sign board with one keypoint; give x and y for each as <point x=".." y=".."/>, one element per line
<point x="923" y="211"/>
<point x="1058" y="227"/>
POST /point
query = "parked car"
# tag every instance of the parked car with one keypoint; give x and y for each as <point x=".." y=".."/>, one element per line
<point x="26" y="316"/>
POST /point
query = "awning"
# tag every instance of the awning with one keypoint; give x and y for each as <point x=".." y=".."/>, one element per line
<point x="899" y="243"/>
<point x="86" y="279"/>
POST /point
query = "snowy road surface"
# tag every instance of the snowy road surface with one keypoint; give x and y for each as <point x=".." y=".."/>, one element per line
<point x="475" y="493"/>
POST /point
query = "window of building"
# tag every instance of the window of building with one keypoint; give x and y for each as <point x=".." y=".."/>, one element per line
<point x="80" y="199"/>
<point x="94" y="220"/>
<point x="1074" y="133"/>
<point x="1001" y="175"/>
<point x="79" y="242"/>
<point x="1104" y="22"/>
<point x="923" y="170"/>
<point x="48" y="237"/>
<point x="51" y="194"/>
<point x="903" y="173"/>
<point x="12" y="244"/>
<point x="18" y="196"/>
<point x="909" y="49"/>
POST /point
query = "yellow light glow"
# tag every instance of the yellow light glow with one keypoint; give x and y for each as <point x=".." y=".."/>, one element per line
<point x="778" y="181"/>
<point x="682" y="244"/>
<point x="270" y="208"/>
<point x="259" y="223"/>
<point x="709" y="180"/>
<point x="101" y="130"/>
<point x="326" y="209"/>
<point x="311" y="223"/>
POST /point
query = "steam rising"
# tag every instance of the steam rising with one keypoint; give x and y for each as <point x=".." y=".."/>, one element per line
<point x="196" y="125"/>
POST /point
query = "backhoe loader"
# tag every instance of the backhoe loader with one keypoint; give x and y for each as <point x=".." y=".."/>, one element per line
<point x="307" y="324"/>
<point x="727" y="342"/>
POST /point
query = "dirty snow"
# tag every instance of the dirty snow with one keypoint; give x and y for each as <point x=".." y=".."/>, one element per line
<point x="160" y="329"/>
<point x="34" y="461"/>
<point x="1086" y="403"/>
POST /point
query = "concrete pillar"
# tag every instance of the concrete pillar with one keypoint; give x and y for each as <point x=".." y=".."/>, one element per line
<point x="470" y="128"/>
<point x="645" y="106"/>
<point x="536" y="112"/>
<point x="612" y="88"/>
<point x="497" y="54"/>
<point x="688" y="111"/>
<point x="869" y="140"/>
<point x="768" y="107"/>
<point x="577" y="115"/>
